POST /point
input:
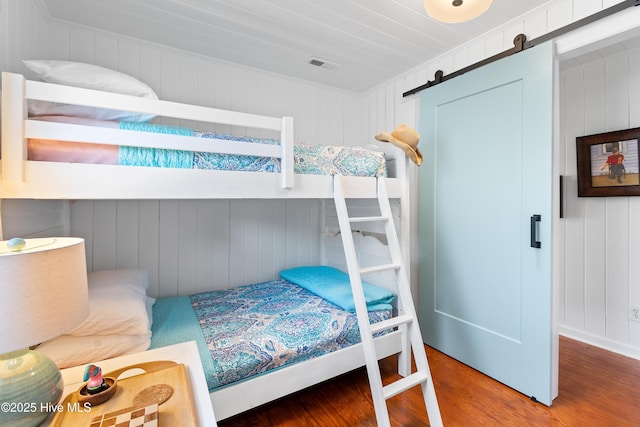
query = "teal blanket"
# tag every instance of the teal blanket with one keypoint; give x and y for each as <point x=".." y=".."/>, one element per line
<point x="156" y="157"/>
<point x="334" y="286"/>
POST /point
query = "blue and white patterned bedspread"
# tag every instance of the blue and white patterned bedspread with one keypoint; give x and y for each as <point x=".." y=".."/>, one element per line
<point x="308" y="159"/>
<point x="257" y="328"/>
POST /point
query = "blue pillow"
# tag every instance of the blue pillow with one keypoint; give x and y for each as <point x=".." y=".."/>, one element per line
<point x="335" y="286"/>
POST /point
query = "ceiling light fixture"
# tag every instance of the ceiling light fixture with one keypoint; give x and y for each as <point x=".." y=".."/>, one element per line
<point x="453" y="11"/>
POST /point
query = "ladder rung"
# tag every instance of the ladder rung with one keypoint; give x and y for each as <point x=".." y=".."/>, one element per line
<point x="368" y="218"/>
<point x="381" y="267"/>
<point x="391" y="323"/>
<point x="405" y="383"/>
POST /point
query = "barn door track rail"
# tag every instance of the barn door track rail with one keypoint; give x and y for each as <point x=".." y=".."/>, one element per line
<point x="520" y="43"/>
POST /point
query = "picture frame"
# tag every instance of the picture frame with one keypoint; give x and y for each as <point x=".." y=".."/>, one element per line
<point x="608" y="164"/>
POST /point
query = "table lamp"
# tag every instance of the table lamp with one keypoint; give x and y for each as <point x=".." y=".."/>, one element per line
<point x="43" y="294"/>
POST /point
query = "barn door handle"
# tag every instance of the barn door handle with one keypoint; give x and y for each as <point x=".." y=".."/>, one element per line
<point x="534" y="231"/>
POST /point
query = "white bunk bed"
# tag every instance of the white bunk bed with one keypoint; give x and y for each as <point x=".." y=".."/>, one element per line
<point x="26" y="179"/>
<point x="22" y="178"/>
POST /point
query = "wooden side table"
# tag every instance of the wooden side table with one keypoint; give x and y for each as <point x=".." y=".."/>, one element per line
<point x="184" y="353"/>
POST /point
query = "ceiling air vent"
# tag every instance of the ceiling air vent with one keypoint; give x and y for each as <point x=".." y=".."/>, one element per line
<point x="323" y="63"/>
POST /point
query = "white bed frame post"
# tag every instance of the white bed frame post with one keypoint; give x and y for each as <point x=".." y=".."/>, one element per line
<point x="404" y="358"/>
<point x="14" y="113"/>
<point x="286" y="141"/>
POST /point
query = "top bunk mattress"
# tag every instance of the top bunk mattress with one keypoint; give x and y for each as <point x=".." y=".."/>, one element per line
<point x="308" y="159"/>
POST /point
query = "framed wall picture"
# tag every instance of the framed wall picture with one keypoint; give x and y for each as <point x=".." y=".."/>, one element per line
<point x="608" y="164"/>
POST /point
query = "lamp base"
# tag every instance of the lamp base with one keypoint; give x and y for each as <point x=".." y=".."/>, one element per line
<point x="30" y="387"/>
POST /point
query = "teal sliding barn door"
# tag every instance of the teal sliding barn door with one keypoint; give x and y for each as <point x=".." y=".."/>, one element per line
<point x="485" y="220"/>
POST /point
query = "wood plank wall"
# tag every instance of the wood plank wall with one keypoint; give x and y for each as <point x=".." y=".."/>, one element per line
<point x="192" y="246"/>
<point x="601" y="274"/>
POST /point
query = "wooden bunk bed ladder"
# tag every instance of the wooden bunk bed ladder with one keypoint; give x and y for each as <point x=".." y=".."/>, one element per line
<point x="406" y="320"/>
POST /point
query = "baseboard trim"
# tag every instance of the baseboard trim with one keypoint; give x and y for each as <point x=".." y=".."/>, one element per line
<point x="598" y="341"/>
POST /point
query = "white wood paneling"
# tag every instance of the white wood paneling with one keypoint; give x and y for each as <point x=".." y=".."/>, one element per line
<point x="560" y="14"/>
<point x="595" y="273"/>
<point x="572" y="86"/>
<point x="607" y="236"/>
<point x="149" y="242"/>
<point x="617" y="213"/>
<point x="194" y="246"/>
<point x="634" y="88"/>
<point x="584" y="8"/>
<point x="186" y="246"/>
<point x="31" y="219"/>
<point x="127" y="243"/>
<point x="601" y="249"/>
<point x="168" y="250"/>
<point x="207" y="264"/>
<point x="634" y="208"/>
<point x="594" y="211"/>
<point x="617" y="269"/>
<point x="634" y="272"/>
<point x="4" y="33"/>
<point x="104" y="224"/>
<point x="535" y="24"/>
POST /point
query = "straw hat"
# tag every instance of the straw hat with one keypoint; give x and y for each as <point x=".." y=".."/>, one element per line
<point x="405" y="138"/>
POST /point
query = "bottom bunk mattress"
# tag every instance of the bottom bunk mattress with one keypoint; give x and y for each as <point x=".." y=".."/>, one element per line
<point x="253" y="329"/>
<point x="308" y="158"/>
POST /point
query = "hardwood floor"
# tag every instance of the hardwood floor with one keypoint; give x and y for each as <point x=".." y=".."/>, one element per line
<point x="596" y="388"/>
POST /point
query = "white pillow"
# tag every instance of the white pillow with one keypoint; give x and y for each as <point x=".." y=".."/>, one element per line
<point x="87" y="76"/>
<point x="117" y="304"/>
<point x="69" y="350"/>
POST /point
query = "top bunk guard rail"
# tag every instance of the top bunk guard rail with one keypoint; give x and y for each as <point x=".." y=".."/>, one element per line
<point x="18" y="128"/>
<point x="87" y="97"/>
<point x="17" y="90"/>
<point x="22" y="178"/>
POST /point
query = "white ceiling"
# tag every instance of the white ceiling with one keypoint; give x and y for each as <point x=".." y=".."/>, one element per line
<point x="371" y="40"/>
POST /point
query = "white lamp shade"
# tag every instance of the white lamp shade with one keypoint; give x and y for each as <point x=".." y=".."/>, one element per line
<point x="43" y="291"/>
<point x="445" y="11"/>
